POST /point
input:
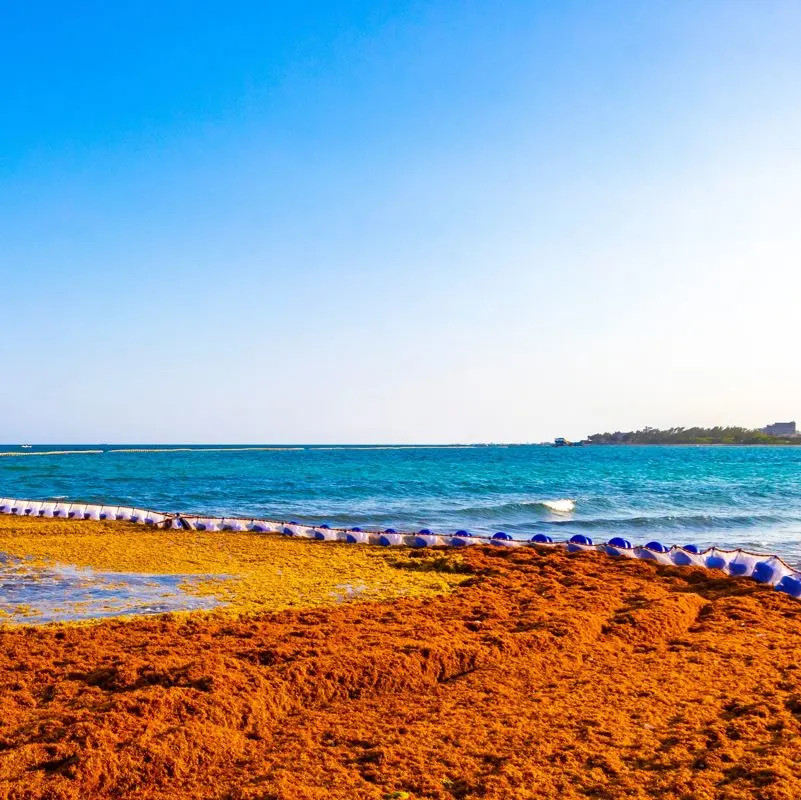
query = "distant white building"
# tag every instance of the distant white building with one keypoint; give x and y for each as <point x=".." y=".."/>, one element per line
<point x="780" y="429"/>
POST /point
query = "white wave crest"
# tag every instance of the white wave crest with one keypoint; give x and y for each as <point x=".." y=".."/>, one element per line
<point x="563" y="506"/>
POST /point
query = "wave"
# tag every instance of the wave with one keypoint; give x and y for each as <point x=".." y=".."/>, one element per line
<point x="695" y="522"/>
<point x="563" y="506"/>
<point x="523" y="510"/>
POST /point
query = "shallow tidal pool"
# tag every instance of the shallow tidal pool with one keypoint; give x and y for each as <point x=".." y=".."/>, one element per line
<point x="33" y="594"/>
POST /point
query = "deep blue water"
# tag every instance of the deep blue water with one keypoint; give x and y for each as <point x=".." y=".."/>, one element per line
<point x="730" y="496"/>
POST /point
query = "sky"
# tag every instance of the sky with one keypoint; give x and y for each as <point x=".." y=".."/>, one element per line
<point x="395" y="222"/>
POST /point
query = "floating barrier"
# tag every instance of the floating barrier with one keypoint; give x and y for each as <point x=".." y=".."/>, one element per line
<point x="46" y="509"/>
<point x="616" y="546"/>
<point x="462" y="538"/>
<point x="767" y="569"/>
<point x="579" y="542"/>
<point x="425" y="538"/>
<point x="791" y="585"/>
<point x="390" y="538"/>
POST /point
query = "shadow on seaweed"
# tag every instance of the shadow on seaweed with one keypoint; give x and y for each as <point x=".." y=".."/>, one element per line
<point x="433" y="561"/>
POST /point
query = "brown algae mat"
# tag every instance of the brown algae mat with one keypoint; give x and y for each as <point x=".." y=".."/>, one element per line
<point x="544" y="675"/>
<point x="245" y="571"/>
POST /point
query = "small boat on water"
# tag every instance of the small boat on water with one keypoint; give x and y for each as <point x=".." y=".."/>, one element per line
<point x="560" y="441"/>
<point x="26" y="446"/>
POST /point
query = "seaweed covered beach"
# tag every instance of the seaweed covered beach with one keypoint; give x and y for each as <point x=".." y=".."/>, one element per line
<point x="493" y="673"/>
<point x="187" y="570"/>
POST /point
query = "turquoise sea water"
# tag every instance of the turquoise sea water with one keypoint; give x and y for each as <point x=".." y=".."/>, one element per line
<point x="730" y="496"/>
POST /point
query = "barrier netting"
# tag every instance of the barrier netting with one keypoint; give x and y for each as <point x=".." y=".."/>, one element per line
<point x="768" y="569"/>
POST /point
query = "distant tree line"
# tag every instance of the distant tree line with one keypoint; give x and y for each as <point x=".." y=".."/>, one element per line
<point x="717" y="435"/>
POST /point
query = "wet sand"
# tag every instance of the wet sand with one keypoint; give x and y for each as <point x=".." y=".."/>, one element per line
<point x="544" y="675"/>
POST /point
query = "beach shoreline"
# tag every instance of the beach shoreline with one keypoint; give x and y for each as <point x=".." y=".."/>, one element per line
<point x="537" y="673"/>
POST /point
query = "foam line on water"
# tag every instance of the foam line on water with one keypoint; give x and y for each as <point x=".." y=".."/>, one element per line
<point x="9" y="453"/>
<point x="200" y="449"/>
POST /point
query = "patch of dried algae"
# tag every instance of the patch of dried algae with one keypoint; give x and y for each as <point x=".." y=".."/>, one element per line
<point x="257" y="572"/>
<point x="548" y="675"/>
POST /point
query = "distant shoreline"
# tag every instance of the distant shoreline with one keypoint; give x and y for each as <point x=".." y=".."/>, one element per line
<point x="699" y="435"/>
<point x="691" y="444"/>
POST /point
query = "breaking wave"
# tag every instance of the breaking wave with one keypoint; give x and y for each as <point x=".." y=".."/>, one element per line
<point x="689" y="522"/>
<point x="563" y="506"/>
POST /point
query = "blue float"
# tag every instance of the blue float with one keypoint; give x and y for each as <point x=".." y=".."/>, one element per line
<point x="461" y="533"/>
<point x="420" y="540"/>
<point x="541" y="538"/>
<point x="790" y="585"/>
<point x="738" y="569"/>
<point x="619" y="541"/>
<point x="716" y="562"/>
<point x="576" y="542"/>
<point x="580" y="538"/>
<point x="502" y="536"/>
<point x="325" y="527"/>
<point x="763" y="572"/>
<point x="681" y="558"/>
<point x="615" y="545"/>
<point x="389" y="537"/>
<point x="356" y="530"/>
<point x="690" y="548"/>
<point x="657" y="547"/>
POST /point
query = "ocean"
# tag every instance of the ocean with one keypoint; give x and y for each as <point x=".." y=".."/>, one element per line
<point x="746" y="497"/>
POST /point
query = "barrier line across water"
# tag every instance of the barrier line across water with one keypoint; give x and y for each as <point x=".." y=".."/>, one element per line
<point x="764" y="568"/>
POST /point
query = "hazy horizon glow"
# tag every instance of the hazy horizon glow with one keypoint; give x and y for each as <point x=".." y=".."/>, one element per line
<point x="397" y="222"/>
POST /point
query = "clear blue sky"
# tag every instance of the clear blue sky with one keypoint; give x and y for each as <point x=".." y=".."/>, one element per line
<point x="397" y="221"/>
